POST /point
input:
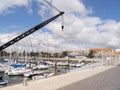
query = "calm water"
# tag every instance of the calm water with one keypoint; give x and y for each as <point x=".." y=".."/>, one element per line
<point x="19" y="79"/>
<point x="12" y="79"/>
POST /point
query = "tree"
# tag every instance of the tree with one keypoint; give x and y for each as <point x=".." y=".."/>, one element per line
<point x="56" y="55"/>
<point x="64" y="53"/>
<point x="91" y="54"/>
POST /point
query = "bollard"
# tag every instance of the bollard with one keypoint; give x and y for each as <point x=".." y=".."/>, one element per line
<point x="25" y="83"/>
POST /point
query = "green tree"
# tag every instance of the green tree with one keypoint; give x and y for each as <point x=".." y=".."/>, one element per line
<point x="56" y="55"/>
<point x="64" y="53"/>
<point x="91" y="54"/>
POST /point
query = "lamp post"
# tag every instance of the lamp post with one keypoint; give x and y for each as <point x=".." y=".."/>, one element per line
<point x="73" y="48"/>
<point x="102" y="58"/>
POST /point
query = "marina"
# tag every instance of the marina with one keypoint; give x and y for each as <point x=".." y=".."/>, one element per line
<point x="44" y="72"/>
<point x="16" y="72"/>
<point x="74" y="46"/>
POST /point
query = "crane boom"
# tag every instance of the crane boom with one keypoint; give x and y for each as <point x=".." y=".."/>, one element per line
<point x="30" y="31"/>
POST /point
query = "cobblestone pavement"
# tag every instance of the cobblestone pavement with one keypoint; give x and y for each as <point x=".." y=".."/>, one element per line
<point x="107" y="80"/>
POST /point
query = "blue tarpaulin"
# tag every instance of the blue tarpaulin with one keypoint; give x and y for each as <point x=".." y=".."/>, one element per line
<point x="18" y="65"/>
<point x="4" y="61"/>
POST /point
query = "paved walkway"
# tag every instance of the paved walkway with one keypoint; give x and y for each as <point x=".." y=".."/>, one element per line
<point x="107" y="80"/>
<point x="101" y="78"/>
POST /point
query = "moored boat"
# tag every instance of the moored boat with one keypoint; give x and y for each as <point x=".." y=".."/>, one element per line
<point x="40" y="67"/>
<point x="27" y="74"/>
<point x="18" y="71"/>
<point x="2" y="81"/>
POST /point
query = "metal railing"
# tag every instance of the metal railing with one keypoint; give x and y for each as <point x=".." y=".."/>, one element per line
<point x="113" y="60"/>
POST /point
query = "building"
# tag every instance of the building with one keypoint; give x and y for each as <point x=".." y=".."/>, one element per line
<point x="73" y="53"/>
<point x="117" y="52"/>
<point x="77" y="53"/>
<point x="101" y="50"/>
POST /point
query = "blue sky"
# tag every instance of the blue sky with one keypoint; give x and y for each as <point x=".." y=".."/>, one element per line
<point x="90" y="23"/>
<point x="105" y="9"/>
<point x="20" y="18"/>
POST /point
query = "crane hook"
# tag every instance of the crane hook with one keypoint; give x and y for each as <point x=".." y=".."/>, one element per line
<point x="62" y="28"/>
<point x="62" y="22"/>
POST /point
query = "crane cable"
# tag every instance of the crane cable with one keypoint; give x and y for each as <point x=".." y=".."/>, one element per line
<point x="62" y="19"/>
<point x="62" y="23"/>
<point x="50" y="4"/>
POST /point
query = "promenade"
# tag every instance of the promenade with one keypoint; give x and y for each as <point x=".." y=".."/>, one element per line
<point x="99" y="78"/>
<point x="107" y="80"/>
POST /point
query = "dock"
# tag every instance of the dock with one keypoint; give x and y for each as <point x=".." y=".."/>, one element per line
<point x="99" y="78"/>
<point x="70" y="59"/>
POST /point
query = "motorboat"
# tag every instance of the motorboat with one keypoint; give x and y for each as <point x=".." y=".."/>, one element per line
<point x="2" y="81"/>
<point x="27" y="74"/>
<point x="49" y="75"/>
<point x="80" y="64"/>
<point x="14" y="66"/>
<point x="18" y="65"/>
<point x="77" y="64"/>
<point x="18" y="71"/>
<point x="40" y="76"/>
<point x="62" y="64"/>
<point x="40" y="67"/>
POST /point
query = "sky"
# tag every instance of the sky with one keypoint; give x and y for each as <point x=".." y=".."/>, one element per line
<point x="104" y="9"/>
<point x="88" y="24"/>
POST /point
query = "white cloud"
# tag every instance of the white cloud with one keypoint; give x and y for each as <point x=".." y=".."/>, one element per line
<point x="7" y="6"/>
<point x="73" y="6"/>
<point x="38" y="41"/>
<point x="86" y="31"/>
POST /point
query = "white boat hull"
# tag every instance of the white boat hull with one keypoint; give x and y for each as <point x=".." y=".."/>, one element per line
<point x="18" y="72"/>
